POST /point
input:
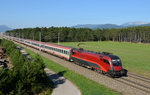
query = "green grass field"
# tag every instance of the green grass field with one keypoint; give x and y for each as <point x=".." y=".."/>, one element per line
<point x="135" y="57"/>
<point x="86" y="86"/>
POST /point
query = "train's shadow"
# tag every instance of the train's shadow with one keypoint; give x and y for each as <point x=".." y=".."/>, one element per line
<point x="120" y="76"/>
<point x="57" y="78"/>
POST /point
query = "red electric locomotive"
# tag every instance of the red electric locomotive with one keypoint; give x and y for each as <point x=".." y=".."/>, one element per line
<point x="104" y="62"/>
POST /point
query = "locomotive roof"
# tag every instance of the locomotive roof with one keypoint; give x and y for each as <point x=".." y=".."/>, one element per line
<point x="101" y="53"/>
<point x="113" y="56"/>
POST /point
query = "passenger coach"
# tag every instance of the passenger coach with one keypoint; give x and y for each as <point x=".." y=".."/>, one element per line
<point x="61" y="51"/>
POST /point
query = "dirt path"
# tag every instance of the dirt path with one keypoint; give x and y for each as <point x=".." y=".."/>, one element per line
<point x="62" y="85"/>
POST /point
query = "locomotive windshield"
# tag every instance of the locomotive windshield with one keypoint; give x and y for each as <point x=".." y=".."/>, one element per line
<point x="116" y="62"/>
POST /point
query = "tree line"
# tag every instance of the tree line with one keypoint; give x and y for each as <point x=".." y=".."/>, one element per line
<point x="25" y="77"/>
<point x="67" y="34"/>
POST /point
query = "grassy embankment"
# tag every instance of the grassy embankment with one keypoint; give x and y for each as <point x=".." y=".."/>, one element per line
<point x="86" y="86"/>
<point x="135" y="57"/>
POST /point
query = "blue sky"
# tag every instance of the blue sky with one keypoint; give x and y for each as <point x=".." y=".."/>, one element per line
<point x="46" y="13"/>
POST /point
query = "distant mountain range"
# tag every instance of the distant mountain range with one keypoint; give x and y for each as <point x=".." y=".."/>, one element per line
<point x="110" y="26"/>
<point x="4" y="28"/>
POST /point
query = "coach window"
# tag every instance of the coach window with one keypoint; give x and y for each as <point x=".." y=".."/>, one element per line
<point x="67" y="52"/>
<point x="42" y="46"/>
<point x="64" y="52"/>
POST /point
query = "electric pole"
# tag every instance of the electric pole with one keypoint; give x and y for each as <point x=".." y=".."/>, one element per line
<point x="19" y="36"/>
<point x="33" y="36"/>
<point x="58" y="39"/>
<point x="40" y="40"/>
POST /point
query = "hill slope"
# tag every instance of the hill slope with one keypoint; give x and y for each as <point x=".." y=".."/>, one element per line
<point x="4" y="28"/>
<point x="110" y="26"/>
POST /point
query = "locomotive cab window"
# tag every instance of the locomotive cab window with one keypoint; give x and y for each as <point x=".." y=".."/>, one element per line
<point x="116" y="62"/>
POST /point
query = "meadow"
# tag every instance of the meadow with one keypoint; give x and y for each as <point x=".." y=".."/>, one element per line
<point x="135" y="57"/>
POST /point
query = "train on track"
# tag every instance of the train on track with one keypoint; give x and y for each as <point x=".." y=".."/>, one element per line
<point x="102" y="62"/>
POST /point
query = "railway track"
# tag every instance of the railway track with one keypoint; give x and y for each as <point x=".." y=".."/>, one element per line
<point x="136" y="83"/>
<point x="139" y="77"/>
<point x="131" y="85"/>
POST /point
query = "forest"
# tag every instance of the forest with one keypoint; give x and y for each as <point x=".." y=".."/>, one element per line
<point x="25" y="77"/>
<point x="67" y="34"/>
